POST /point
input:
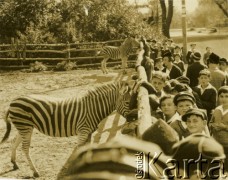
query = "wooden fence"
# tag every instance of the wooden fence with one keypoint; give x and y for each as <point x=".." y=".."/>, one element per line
<point x="20" y="54"/>
<point x="145" y="120"/>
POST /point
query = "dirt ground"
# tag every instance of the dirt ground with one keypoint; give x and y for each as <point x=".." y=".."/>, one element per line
<point x="48" y="154"/>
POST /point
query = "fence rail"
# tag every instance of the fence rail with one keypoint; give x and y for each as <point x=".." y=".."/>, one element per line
<point x="20" y="54"/>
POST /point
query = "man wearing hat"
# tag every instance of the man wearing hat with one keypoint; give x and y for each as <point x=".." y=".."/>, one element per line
<point x="154" y="49"/>
<point x="217" y="76"/>
<point x="194" y="69"/>
<point x="189" y="53"/>
<point x="170" y="69"/>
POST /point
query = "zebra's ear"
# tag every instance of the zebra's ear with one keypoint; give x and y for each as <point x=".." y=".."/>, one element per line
<point x="125" y="88"/>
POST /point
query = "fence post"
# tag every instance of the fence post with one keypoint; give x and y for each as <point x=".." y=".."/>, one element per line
<point x="24" y="52"/>
<point x="144" y="114"/>
<point x="68" y="51"/>
<point x="13" y="49"/>
<point x="18" y="56"/>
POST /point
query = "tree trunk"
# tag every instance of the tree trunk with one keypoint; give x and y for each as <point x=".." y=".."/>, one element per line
<point x="223" y="8"/>
<point x="166" y="17"/>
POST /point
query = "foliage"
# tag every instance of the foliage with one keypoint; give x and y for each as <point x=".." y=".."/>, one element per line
<point x="65" y="66"/>
<point x="207" y="14"/>
<point x="37" y="67"/>
<point x="51" y="21"/>
<point x="16" y="16"/>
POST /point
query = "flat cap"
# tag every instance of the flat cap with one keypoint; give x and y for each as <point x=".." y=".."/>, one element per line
<point x="182" y="96"/>
<point x="195" y="111"/>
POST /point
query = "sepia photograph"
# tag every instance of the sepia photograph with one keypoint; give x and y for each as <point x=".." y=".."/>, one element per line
<point x="113" y="89"/>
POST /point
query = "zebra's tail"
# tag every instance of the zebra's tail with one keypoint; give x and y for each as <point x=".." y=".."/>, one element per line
<point x="8" y="128"/>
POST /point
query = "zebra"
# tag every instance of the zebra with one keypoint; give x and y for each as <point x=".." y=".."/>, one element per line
<point x="63" y="117"/>
<point x="122" y="52"/>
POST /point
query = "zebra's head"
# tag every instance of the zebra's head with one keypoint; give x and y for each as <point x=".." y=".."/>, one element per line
<point x="123" y="98"/>
<point x="131" y="42"/>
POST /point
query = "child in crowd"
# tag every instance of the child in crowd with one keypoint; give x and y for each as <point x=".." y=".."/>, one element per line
<point x="206" y="92"/>
<point x="190" y="52"/>
<point x="206" y="55"/>
<point x="196" y="120"/>
<point x="223" y="67"/>
<point x="178" y="62"/>
<point x="168" y="108"/>
<point x="219" y="125"/>
<point x="158" y="64"/>
<point x="183" y="101"/>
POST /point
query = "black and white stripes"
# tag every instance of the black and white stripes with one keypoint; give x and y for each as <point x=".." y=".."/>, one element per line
<point x="63" y="117"/>
<point x="122" y="52"/>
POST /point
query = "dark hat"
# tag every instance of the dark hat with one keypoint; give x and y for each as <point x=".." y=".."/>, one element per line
<point x="170" y="40"/>
<point x="182" y="96"/>
<point x="162" y="134"/>
<point x="154" y="41"/>
<point x="176" y="54"/>
<point x="180" y="87"/>
<point x="167" y="53"/>
<point x="177" y="47"/>
<point x="223" y="60"/>
<point x="183" y="79"/>
<point x="197" y="144"/>
<point x="213" y="58"/>
<point x="205" y="72"/>
<point x="194" y="111"/>
<point x="196" y="55"/>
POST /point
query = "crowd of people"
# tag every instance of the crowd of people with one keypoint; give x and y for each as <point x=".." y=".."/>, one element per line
<point x="191" y="96"/>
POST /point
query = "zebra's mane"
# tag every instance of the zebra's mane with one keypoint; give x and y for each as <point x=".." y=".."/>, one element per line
<point x="103" y="89"/>
<point x="126" y="41"/>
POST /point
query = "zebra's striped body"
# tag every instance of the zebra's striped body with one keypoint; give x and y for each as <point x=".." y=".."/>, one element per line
<point x="122" y="52"/>
<point x="63" y="117"/>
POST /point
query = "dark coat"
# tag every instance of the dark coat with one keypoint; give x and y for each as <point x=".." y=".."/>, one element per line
<point x="208" y="99"/>
<point x="193" y="73"/>
<point x="175" y="72"/>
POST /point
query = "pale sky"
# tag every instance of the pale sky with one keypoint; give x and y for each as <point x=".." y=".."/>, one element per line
<point x="190" y="4"/>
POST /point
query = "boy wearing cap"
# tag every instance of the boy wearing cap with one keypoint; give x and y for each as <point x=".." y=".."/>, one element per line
<point x="183" y="102"/>
<point x="196" y="120"/>
<point x="194" y="69"/>
<point x="206" y="92"/>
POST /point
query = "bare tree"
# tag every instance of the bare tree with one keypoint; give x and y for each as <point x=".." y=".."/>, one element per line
<point x="167" y="15"/>
<point x="223" y="5"/>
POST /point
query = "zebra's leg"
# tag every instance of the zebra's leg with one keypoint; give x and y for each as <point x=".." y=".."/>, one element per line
<point x="17" y="140"/>
<point x="103" y="66"/>
<point x="26" y="141"/>
<point x="83" y="137"/>
<point x="124" y="65"/>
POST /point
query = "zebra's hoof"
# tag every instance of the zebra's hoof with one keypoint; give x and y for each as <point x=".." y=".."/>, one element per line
<point x="36" y="174"/>
<point x="15" y="167"/>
